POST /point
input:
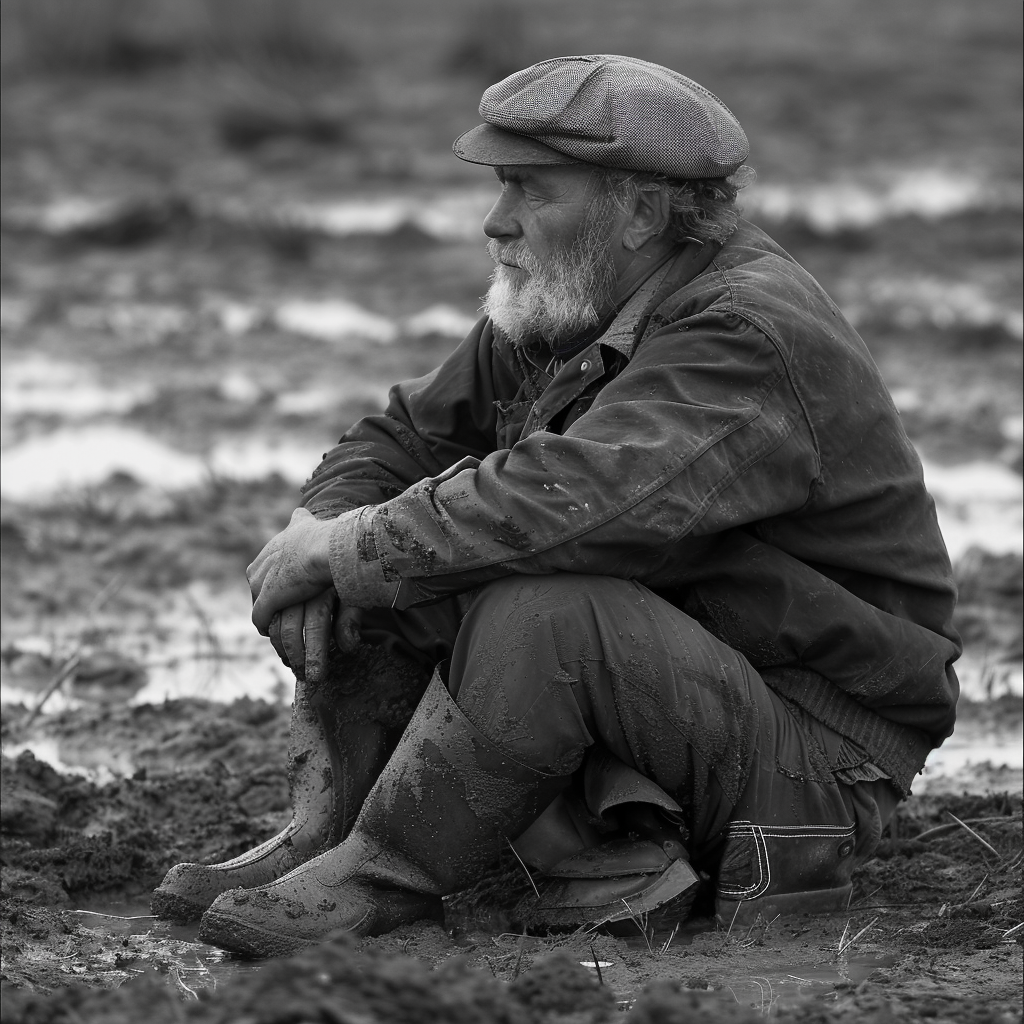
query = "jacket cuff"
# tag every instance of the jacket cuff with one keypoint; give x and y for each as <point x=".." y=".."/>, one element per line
<point x="355" y="568"/>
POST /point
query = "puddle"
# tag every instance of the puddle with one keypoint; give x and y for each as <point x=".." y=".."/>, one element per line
<point x="198" y="642"/>
<point x="782" y="989"/>
<point x="830" y="207"/>
<point x="86" y="456"/>
<point x="442" y="320"/>
<point x="148" y="943"/>
<point x="174" y="949"/>
<point x="982" y="679"/>
<point x="53" y="387"/>
<point x="917" y="302"/>
<point x="979" y="504"/>
<point x="456" y="214"/>
<point x="334" y="320"/>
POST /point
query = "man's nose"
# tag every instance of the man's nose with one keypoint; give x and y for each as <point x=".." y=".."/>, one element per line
<point x="501" y="222"/>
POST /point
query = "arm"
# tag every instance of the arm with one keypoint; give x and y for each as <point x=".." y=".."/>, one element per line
<point x="429" y="424"/>
<point x="699" y="434"/>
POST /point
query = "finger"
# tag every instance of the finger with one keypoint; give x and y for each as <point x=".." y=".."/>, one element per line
<point x="291" y="638"/>
<point x="256" y="571"/>
<point x="263" y="609"/>
<point x="347" y="623"/>
<point x="274" y="632"/>
<point x="316" y="629"/>
<point x="255" y="579"/>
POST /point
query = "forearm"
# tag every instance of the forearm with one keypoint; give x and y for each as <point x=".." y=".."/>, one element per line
<point x="634" y="510"/>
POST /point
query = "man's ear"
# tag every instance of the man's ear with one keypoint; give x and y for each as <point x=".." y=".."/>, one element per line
<point x="649" y="220"/>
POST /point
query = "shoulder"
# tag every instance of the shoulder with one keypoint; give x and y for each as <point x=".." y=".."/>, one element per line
<point x="751" y="273"/>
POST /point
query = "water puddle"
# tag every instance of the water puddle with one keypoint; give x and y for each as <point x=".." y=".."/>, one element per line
<point x="455" y="214"/>
<point x="147" y="943"/>
<point x="54" y="387"/>
<point x="195" y="642"/>
<point x="779" y="990"/>
<point x="771" y="980"/>
<point x="333" y="320"/>
<point x="915" y="302"/>
<point x="979" y="504"/>
<point x="861" y="202"/>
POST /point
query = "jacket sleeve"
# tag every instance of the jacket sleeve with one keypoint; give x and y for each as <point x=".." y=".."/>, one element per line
<point x="430" y="424"/>
<point x="700" y="433"/>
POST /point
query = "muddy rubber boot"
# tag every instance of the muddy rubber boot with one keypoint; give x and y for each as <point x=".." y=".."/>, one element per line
<point x="342" y="732"/>
<point x="445" y="806"/>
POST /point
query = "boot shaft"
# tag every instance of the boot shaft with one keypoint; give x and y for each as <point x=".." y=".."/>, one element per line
<point x="450" y="799"/>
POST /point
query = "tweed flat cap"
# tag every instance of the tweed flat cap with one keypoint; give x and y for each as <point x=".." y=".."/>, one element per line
<point x="607" y="110"/>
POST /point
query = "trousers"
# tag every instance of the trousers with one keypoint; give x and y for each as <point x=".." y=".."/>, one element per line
<point x="552" y="667"/>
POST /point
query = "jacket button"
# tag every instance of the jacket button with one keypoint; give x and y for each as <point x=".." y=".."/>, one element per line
<point x="846" y="849"/>
<point x="584" y="366"/>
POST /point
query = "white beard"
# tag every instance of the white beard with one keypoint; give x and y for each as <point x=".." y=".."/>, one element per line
<point x="568" y="295"/>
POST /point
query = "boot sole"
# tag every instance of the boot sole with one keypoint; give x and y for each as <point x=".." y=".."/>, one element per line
<point x="812" y="903"/>
<point x="244" y="940"/>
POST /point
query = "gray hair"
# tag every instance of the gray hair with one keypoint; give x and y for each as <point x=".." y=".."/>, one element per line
<point x="700" y="208"/>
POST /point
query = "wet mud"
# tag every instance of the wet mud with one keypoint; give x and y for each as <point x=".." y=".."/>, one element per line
<point x="210" y="271"/>
<point x="932" y="933"/>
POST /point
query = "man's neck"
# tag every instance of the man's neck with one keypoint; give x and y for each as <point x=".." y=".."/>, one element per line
<point x="643" y="264"/>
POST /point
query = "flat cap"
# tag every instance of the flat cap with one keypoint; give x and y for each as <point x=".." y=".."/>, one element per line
<point x="607" y="110"/>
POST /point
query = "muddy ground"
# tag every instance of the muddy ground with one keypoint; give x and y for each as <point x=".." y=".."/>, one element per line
<point x="222" y="239"/>
<point x="933" y="930"/>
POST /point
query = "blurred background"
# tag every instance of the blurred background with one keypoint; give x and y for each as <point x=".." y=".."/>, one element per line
<point x="229" y="225"/>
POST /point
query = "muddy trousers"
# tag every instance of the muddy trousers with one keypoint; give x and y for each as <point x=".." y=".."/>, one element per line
<point x="555" y="668"/>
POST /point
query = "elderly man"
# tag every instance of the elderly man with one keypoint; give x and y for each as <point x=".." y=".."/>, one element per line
<point x="658" y="527"/>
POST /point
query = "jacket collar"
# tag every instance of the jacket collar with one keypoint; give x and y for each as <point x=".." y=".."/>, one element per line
<point x="629" y="325"/>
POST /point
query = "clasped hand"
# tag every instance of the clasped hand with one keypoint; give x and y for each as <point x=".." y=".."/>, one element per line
<point x="294" y="600"/>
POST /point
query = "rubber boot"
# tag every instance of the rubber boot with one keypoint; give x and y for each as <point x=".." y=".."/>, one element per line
<point x="445" y="806"/>
<point x="342" y="732"/>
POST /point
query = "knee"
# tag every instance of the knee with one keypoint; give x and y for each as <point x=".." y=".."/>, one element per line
<point x="524" y="601"/>
<point x="507" y="626"/>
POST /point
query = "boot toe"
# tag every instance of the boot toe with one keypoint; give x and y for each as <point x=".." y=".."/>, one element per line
<point x="264" y="922"/>
<point x="285" y="917"/>
<point x="185" y="893"/>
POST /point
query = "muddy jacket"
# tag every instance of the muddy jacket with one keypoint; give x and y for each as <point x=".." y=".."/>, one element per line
<point x="729" y="443"/>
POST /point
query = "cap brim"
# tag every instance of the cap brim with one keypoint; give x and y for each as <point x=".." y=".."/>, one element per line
<point x="496" y="147"/>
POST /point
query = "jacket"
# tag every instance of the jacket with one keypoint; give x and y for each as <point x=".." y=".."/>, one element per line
<point x="728" y="442"/>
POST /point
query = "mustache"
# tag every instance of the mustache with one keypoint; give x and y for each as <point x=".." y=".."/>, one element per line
<point x="517" y="253"/>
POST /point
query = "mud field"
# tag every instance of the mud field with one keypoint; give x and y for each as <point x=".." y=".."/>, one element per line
<point x="227" y="227"/>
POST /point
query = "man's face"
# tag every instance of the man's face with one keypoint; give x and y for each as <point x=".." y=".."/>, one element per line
<point x="553" y="238"/>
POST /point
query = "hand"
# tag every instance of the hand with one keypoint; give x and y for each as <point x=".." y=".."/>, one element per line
<point x="291" y="570"/>
<point x="301" y="634"/>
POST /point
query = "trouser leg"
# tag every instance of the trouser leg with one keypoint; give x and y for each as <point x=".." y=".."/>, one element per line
<point x="554" y="664"/>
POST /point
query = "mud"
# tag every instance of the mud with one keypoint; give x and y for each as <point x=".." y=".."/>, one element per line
<point x="931" y="932"/>
<point x="211" y="267"/>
